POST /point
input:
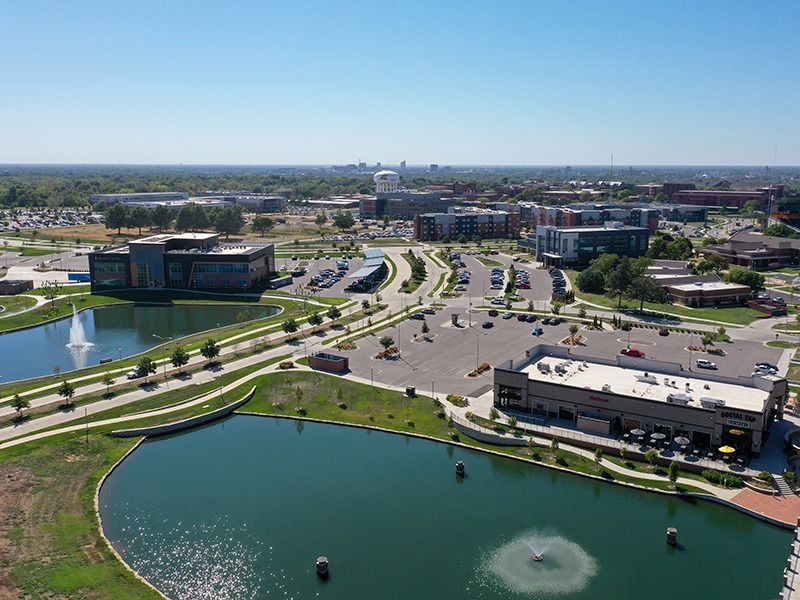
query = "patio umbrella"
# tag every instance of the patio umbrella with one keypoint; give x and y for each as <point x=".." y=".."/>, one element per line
<point x="657" y="436"/>
<point x="727" y="449"/>
<point x="683" y="441"/>
<point x="736" y="432"/>
<point x="637" y="432"/>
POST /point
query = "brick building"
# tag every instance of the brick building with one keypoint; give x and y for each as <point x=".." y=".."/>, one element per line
<point x="488" y="224"/>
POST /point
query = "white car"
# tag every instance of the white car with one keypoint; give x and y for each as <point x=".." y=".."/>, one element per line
<point x="133" y="374"/>
<point x="703" y="363"/>
<point x="499" y="301"/>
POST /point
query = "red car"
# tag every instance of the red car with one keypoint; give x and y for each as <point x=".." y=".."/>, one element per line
<point x="493" y="313"/>
<point x="663" y="331"/>
<point x="632" y="352"/>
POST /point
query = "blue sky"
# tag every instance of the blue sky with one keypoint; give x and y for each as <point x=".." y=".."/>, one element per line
<point x="467" y="82"/>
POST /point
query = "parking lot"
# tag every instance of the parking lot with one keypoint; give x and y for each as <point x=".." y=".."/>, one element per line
<point x="454" y="351"/>
<point x="315" y="267"/>
<point x="480" y="285"/>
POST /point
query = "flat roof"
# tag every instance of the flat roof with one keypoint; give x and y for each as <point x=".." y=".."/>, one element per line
<point x="710" y="285"/>
<point x="655" y="388"/>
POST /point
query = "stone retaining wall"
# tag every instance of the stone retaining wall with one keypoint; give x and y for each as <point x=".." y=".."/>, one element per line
<point x="185" y="423"/>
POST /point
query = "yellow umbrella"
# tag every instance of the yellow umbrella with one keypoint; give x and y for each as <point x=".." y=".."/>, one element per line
<point x="727" y="449"/>
<point x="736" y="432"/>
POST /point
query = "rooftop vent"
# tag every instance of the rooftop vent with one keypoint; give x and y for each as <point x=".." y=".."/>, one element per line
<point x="606" y="387"/>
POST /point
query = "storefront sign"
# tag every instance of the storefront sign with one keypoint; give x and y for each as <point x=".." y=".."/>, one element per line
<point x="727" y="414"/>
<point x="598" y="399"/>
<point x="742" y="424"/>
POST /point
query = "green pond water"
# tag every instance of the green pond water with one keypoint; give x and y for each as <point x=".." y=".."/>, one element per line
<point x="242" y="509"/>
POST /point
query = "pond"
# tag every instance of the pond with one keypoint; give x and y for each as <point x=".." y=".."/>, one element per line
<point x="112" y="332"/>
<point x="242" y="509"/>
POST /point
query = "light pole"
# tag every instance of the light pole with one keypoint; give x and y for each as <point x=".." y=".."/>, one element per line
<point x="120" y="360"/>
<point x="371" y="376"/>
<point x="163" y="341"/>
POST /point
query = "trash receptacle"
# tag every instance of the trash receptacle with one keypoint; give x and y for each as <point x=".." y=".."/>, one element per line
<point x="411" y="391"/>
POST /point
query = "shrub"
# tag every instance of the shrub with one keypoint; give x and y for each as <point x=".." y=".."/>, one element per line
<point x="287" y="364"/>
<point x="764" y="476"/>
<point x="456" y="400"/>
<point x="720" y="478"/>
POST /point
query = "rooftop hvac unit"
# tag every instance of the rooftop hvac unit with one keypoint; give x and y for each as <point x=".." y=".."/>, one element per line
<point x="678" y="399"/>
<point x="711" y="402"/>
<point x="606" y="387"/>
<point x="543" y="367"/>
<point x="647" y="378"/>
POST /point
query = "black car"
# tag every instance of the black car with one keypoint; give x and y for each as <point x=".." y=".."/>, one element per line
<point x="546" y="321"/>
<point x="417" y="316"/>
<point x="487" y="325"/>
<point x="531" y="318"/>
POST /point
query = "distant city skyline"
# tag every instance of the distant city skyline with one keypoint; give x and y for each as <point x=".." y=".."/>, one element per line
<point x="514" y="83"/>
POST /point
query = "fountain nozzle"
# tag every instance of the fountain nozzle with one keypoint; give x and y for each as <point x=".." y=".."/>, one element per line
<point x="537" y="557"/>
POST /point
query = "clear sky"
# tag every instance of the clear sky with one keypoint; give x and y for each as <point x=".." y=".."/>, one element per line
<point x="524" y="82"/>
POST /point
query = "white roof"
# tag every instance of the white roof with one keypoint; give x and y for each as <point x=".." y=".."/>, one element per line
<point x="710" y="286"/>
<point x="386" y="176"/>
<point x="632" y="382"/>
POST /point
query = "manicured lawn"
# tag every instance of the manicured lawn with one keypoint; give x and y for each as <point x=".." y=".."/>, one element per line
<point x="488" y="262"/>
<point x="735" y="315"/>
<point x="15" y="304"/>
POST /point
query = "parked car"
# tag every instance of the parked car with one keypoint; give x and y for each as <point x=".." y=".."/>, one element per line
<point x="521" y="317"/>
<point x="555" y="321"/>
<point x="429" y="311"/>
<point x="663" y="331"/>
<point x="704" y="363"/>
<point x="493" y="312"/>
<point x="531" y="318"/>
<point x="545" y="321"/>
<point x="626" y="327"/>
<point x="508" y="315"/>
<point x="487" y="325"/>
<point x="460" y="288"/>
<point x="133" y="374"/>
<point x="634" y="352"/>
<point x="537" y="331"/>
<point x="417" y="317"/>
<point x="766" y="365"/>
<point x="499" y="301"/>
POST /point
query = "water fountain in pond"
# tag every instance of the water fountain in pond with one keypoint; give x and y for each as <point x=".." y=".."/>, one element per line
<point x="77" y="336"/>
<point x="540" y="564"/>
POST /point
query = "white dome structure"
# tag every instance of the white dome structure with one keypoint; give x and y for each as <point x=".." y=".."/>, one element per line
<point x="386" y="181"/>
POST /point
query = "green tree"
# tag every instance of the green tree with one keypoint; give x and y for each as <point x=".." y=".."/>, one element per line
<point x="598" y="456"/>
<point x="161" y="217"/>
<point x="333" y="313"/>
<point x="425" y="329"/>
<point x="555" y="307"/>
<point x="755" y="281"/>
<point x="192" y="217"/>
<point x="320" y="220"/>
<point x="138" y="217"/>
<point x="229" y="221"/>
<point x="19" y="404"/>
<point x="344" y="221"/>
<point x="658" y="248"/>
<point x="145" y="367"/>
<point x="179" y="358"/>
<point x="591" y="281"/>
<point x="645" y="288"/>
<point x="315" y="319"/>
<point x="619" y="279"/>
<point x="117" y="217"/>
<point x="262" y="225"/>
<point x="66" y="391"/>
<point x="581" y="313"/>
<point x="210" y="349"/>
<point x="651" y="455"/>
<point x="554" y="444"/>
<point x="673" y="471"/>
<point x="462" y="239"/>
<point x="107" y="381"/>
<point x="386" y="341"/>
<point x="446" y="239"/>
<point x="573" y="329"/>
<point x="290" y="326"/>
<point x="750" y="208"/>
<point x="494" y="414"/>
<point x="365" y="305"/>
<point x="780" y="230"/>
<point x="605" y="263"/>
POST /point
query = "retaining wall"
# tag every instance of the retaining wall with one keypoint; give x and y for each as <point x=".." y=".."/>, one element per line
<point x="185" y="423"/>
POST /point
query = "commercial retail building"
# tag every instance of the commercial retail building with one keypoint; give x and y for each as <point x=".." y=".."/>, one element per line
<point x="616" y="395"/>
